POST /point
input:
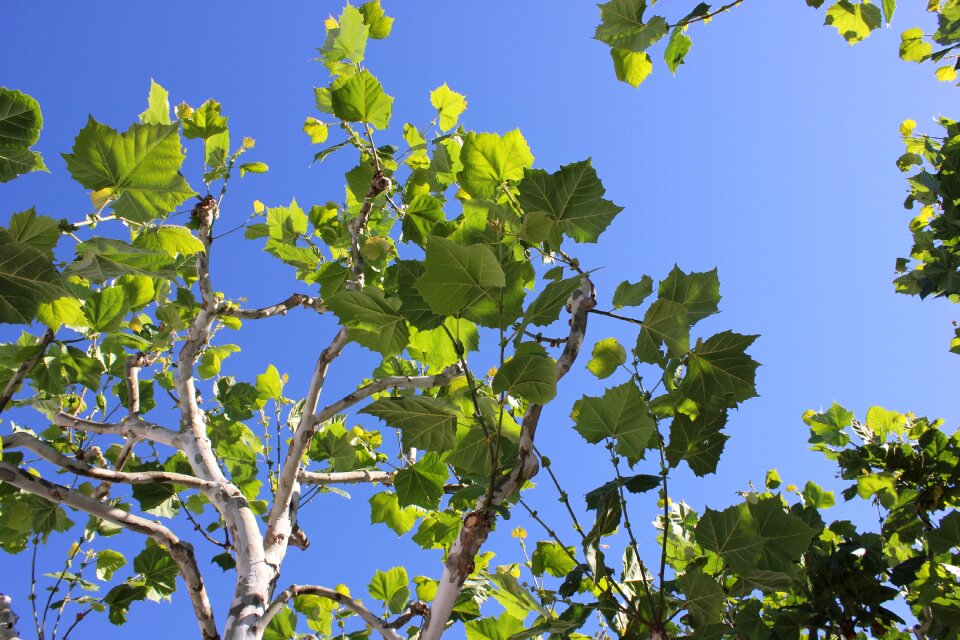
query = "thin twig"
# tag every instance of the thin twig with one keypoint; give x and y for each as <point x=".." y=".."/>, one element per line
<point x="706" y="16"/>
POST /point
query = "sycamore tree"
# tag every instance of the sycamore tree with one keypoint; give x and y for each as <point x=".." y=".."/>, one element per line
<point x="454" y="260"/>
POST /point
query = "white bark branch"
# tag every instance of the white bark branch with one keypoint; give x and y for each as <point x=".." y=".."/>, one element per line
<point x="379" y="624"/>
<point x="254" y="574"/>
<point x="131" y="427"/>
<point x="283" y="514"/>
<point x="24" y="440"/>
<point x="180" y="551"/>
<point x="291" y="474"/>
<point x="279" y="309"/>
<point x="348" y="477"/>
<point x="8" y="619"/>
<point x="477" y="524"/>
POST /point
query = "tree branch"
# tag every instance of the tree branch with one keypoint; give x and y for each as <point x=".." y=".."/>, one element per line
<point x="180" y="551"/>
<point x="477" y="524"/>
<point x="24" y="369"/>
<point x="391" y="382"/>
<point x="254" y="574"/>
<point x="24" y="440"/>
<point x="8" y="619"/>
<point x="279" y="309"/>
<point x="348" y="477"/>
<point x="382" y="627"/>
<point x="131" y="427"/>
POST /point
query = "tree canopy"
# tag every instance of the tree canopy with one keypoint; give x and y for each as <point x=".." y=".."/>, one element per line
<point x="450" y="294"/>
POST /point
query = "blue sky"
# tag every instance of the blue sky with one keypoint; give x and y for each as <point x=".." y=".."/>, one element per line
<point x="770" y="156"/>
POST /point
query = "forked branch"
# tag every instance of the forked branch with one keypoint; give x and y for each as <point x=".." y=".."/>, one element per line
<point x="382" y="627"/>
<point x="180" y="551"/>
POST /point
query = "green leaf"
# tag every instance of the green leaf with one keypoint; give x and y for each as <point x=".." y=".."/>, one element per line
<point x="253" y="167"/>
<point x="946" y="535"/>
<point x="699" y="442"/>
<point x="206" y="122"/>
<point x="361" y="98"/>
<point x="719" y="372"/>
<point x="457" y="277"/>
<point x="347" y="40"/>
<point x="373" y="320"/>
<point x="814" y="496"/>
<point x="375" y="18"/>
<point x="545" y="308"/>
<point x="786" y="537"/>
<point x="608" y="354"/>
<point x="158" y="571"/>
<point x="391" y="587"/>
<point x="62" y="311"/>
<point x="502" y="628"/>
<point x="422" y="483"/>
<point x="703" y="596"/>
<point x="572" y="198"/>
<point x="629" y="294"/>
<point x="27" y="279"/>
<point x="913" y="48"/>
<point x="631" y="67"/>
<point x="889" y="6"/>
<point x="489" y="161"/>
<point x="621" y="414"/>
<point x="212" y="359"/>
<point x="158" y="106"/>
<point x="282" y="626"/>
<point x="640" y="483"/>
<point x="698" y="292"/>
<point x="20" y="124"/>
<point x="105" y="309"/>
<point x="883" y="422"/>
<point x="286" y="224"/>
<point x="854" y="22"/>
<point x="677" y="48"/>
<point x="434" y="347"/>
<point x="551" y="558"/>
<point x="425" y="422"/>
<point x="530" y="374"/>
<point x="141" y="166"/>
<point x="108" y="561"/>
<point x="622" y="26"/>
<point x="121" y="597"/>
<point x="666" y="322"/>
<point x="171" y="239"/>
<point x="317" y="130"/>
<point x="449" y="105"/>
<point x="729" y="533"/>
<point x="40" y="232"/>
<point x="269" y="384"/>
<point x="385" y="508"/>
<point x="101" y="259"/>
<point x="438" y="530"/>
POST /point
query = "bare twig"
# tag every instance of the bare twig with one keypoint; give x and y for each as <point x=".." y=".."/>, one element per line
<point x="706" y="16"/>
<point x="381" y="626"/>
<point x="24" y="369"/>
<point x="279" y="309"/>
<point x="180" y="551"/>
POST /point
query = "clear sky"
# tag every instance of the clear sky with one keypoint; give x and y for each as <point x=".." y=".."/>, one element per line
<point x="770" y="156"/>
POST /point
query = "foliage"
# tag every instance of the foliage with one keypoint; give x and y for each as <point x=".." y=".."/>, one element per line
<point x="442" y="243"/>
